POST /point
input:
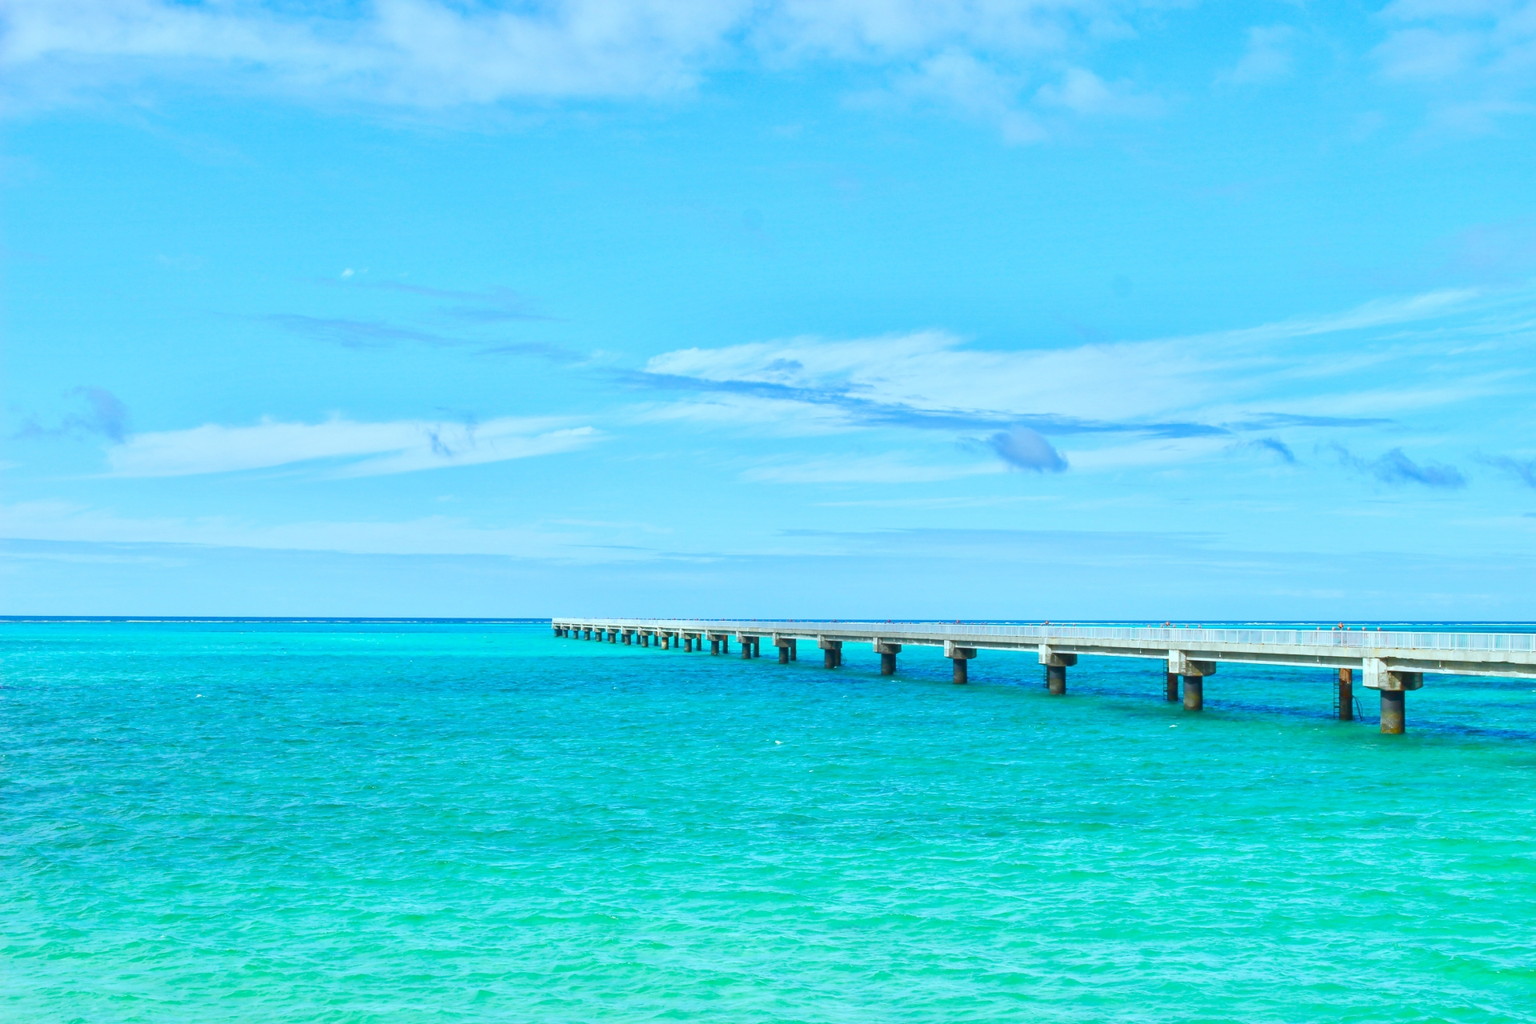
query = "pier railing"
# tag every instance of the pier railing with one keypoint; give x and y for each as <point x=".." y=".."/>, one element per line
<point x="1172" y="636"/>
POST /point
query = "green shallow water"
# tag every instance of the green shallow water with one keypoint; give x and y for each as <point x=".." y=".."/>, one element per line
<point x="284" y="823"/>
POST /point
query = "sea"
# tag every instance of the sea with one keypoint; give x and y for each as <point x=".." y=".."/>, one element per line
<point x="430" y="821"/>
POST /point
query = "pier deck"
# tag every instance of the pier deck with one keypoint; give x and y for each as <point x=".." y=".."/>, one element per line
<point x="1390" y="662"/>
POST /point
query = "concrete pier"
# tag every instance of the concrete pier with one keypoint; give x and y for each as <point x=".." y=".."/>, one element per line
<point x="959" y="659"/>
<point x="1056" y="665"/>
<point x="1392" y="663"/>
<point x="1194" y="693"/>
<point x="1393" y="686"/>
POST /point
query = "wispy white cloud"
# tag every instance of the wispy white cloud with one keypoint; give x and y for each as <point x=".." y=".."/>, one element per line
<point x="1477" y="56"/>
<point x="1121" y="404"/>
<point x="364" y="449"/>
<point x="936" y="371"/>
<point x="882" y="469"/>
<point x="973" y="55"/>
<point x="430" y="535"/>
<point x="1267" y="56"/>
<point x="1080" y="91"/>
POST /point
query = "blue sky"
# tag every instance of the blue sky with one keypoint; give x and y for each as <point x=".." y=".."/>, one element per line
<point x="852" y="308"/>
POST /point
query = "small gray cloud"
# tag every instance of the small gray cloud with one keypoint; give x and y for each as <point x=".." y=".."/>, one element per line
<point x="1023" y="448"/>
<point x="1525" y="470"/>
<point x="103" y="415"/>
<point x="1274" y="446"/>
<point x="1395" y="467"/>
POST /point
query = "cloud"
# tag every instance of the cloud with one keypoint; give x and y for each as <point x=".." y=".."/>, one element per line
<point x="973" y="55"/>
<point x="1267" y="57"/>
<point x="1477" y="58"/>
<point x="1523" y="469"/>
<point x="1195" y="386"/>
<point x="429" y="535"/>
<point x="103" y="415"/>
<point x="1083" y="92"/>
<point x="1027" y="449"/>
<point x="493" y="305"/>
<point x="1275" y="447"/>
<point x="353" y="333"/>
<point x="364" y="449"/>
<point x="962" y="82"/>
<point x="855" y="470"/>
<point x="1395" y="467"/>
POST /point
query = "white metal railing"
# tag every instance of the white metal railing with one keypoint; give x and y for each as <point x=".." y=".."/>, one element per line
<point x="1175" y="636"/>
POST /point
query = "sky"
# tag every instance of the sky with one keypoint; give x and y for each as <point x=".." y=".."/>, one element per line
<point x="1045" y="309"/>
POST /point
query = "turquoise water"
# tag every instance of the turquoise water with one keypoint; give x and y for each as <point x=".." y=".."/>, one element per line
<point x="284" y="823"/>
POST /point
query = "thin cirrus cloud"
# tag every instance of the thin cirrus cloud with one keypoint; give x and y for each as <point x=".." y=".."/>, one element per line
<point x="361" y="449"/>
<point x="1221" y="383"/>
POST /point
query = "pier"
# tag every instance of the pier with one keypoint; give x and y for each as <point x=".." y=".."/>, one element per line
<point x="1393" y="663"/>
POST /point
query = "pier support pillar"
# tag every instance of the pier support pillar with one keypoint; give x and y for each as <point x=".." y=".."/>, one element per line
<point x="786" y="646"/>
<point x="831" y="653"/>
<point x="645" y="639"/>
<point x="959" y="658"/>
<point x="746" y="645"/>
<point x="1394" y="685"/>
<point x="613" y="636"/>
<point x="1394" y="716"/>
<point x="1194" y="693"/>
<point x="1171" y="687"/>
<point x="1055" y="669"/>
<point x="887" y="652"/>
<point x="1346" y="695"/>
<point x="714" y="646"/>
<point x="1194" y="673"/>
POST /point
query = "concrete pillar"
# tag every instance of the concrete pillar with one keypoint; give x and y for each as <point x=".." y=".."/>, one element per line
<point x="831" y="652"/>
<point x="687" y="644"/>
<point x="645" y="639"/>
<point x="725" y="643"/>
<point x="1393" y="683"/>
<point x="714" y="646"/>
<point x="960" y="658"/>
<point x="588" y="636"/>
<point x="1394" y="718"/>
<point x="746" y="645"/>
<point x="1194" y="693"/>
<point x="1056" y="665"/>
<point x="1346" y="695"/>
<point x="1171" y="687"/>
<point x="1194" y="673"/>
<point x="887" y="652"/>
<point x="613" y="636"/>
<point x="783" y="653"/>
